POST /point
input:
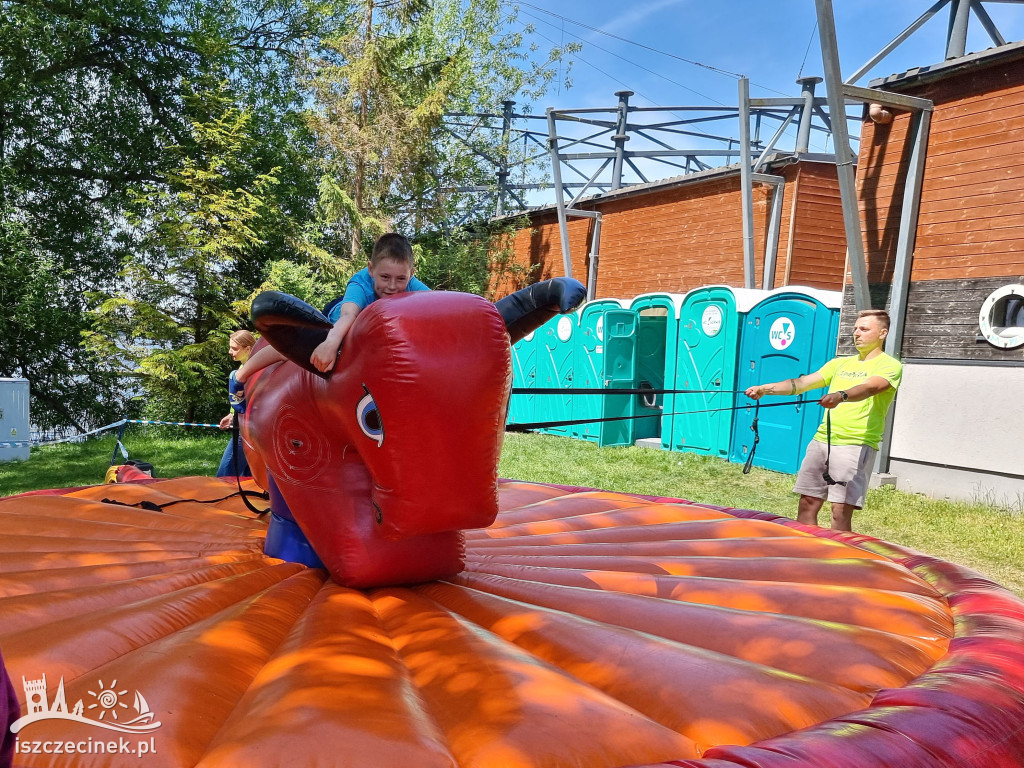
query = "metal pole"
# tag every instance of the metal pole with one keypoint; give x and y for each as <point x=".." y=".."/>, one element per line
<point x="621" y="137"/>
<point x="911" y="204"/>
<point x="556" y="172"/>
<point x="844" y="157"/>
<point x="919" y="129"/>
<point x="956" y="37"/>
<point x="506" y="127"/>
<point x="795" y="194"/>
<point x="897" y="41"/>
<point x="117" y="443"/>
<point x="595" y="257"/>
<point x="771" y="246"/>
<point x="746" y="184"/>
<point x="803" y="134"/>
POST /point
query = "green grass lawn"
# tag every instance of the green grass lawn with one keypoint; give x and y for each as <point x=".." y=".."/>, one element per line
<point x="987" y="538"/>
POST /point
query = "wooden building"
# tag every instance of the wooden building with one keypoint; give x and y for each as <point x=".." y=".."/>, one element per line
<point x="686" y="232"/>
<point x="959" y="415"/>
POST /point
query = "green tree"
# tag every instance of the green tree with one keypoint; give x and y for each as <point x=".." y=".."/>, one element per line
<point x="40" y="340"/>
<point x="398" y="66"/>
<point x="479" y="260"/>
<point x="169" y="320"/>
<point x="90" y="98"/>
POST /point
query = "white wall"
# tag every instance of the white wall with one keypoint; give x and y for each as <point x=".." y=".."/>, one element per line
<point x="958" y="432"/>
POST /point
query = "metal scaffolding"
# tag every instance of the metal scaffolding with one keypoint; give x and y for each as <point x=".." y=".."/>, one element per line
<point x="599" y="150"/>
<point x="591" y="152"/>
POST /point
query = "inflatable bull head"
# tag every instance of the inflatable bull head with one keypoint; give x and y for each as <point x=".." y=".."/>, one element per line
<point x="382" y="463"/>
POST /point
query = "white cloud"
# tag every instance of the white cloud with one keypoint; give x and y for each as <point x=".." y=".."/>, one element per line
<point x="633" y="17"/>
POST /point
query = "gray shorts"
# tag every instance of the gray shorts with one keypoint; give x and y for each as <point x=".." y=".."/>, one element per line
<point x="852" y="463"/>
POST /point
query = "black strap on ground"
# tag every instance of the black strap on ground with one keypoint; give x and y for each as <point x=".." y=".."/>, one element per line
<point x="236" y="446"/>
<point x="152" y="506"/>
<point x="526" y="427"/>
<point x="757" y="438"/>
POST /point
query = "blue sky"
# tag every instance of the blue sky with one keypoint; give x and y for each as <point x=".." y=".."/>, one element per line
<point x="766" y="40"/>
<point x="690" y="52"/>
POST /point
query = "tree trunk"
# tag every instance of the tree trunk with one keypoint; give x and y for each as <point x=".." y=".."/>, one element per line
<point x="360" y="170"/>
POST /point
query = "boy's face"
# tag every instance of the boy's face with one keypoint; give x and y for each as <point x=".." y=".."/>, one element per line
<point x="390" y="276"/>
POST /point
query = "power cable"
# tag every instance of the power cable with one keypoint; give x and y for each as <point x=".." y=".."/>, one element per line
<point x="709" y="67"/>
<point x="809" y="41"/>
<point x="628" y="61"/>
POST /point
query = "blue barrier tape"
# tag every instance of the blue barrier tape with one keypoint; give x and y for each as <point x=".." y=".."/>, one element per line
<point x="107" y="427"/>
<point x="172" y="423"/>
<point x="84" y="434"/>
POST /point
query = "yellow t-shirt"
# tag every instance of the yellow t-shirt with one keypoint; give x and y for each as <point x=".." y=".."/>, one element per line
<point x="860" y="423"/>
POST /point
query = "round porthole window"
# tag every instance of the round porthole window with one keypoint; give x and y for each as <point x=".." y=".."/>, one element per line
<point x="1002" y="317"/>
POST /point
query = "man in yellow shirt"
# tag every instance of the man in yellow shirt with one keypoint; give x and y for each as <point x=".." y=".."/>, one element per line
<point x="838" y="461"/>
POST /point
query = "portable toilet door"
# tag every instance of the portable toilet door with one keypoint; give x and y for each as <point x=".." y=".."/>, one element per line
<point x="705" y="361"/>
<point x="605" y="359"/>
<point x="522" y="407"/>
<point x="555" y="358"/>
<point x="14" y="421"/>
<point x="657" y="330"/>
<point x="788" y="334"/>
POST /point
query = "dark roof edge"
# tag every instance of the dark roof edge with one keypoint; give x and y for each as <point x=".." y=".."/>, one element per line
<point x="926" y="74"/>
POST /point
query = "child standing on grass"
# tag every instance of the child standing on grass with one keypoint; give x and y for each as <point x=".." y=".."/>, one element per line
<point x="240" y="345"/>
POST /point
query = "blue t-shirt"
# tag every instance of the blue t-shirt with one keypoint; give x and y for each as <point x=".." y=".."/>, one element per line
<point x="359" y="291"/>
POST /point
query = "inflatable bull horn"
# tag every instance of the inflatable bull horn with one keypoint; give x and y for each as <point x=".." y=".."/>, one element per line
<point x="376" y="468"/>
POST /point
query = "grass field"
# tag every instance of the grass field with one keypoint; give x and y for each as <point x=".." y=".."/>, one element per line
<point x="987" y="538"/>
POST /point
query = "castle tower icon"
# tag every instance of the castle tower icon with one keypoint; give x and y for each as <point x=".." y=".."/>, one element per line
<point x="35" y="695"/>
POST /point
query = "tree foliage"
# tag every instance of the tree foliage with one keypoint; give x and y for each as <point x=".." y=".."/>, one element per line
<point x="40" y="340"/>
<point x="168" y="157"/>
<point x="479" y="261"/>
<point x="170" y="316"/>
<point x="91" y="97"/>
<point x="394" y="71"/>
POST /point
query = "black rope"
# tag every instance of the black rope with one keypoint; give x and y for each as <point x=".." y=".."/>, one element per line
<point x="637" y="391"/>
<point x="828" y="452"/>
<point x="152" y="506"/>
<point x="235" y="448"/>
<point x="524" y="427"/>
<point x="757" y="438"/>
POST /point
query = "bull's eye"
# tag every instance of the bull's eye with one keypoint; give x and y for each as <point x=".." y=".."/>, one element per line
<point x="368" y="418"/>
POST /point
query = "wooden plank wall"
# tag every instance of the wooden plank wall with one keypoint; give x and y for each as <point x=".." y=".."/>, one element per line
<point x="942" y="320"/>
<point x="970" y="235"/>
<point x="687" y="236"/>
<point x="819" y="239"/>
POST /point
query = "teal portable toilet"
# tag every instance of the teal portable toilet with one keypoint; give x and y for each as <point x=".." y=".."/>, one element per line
<point x="705" y="359"/>
<point x="606" y="357"/>
<point x="789" y="333"/>
<point x="555" y="349"/>
<point x="657" y="331"/>
<point x="522" y="408"/>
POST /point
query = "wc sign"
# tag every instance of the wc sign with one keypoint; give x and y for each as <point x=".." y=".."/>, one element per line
<point x="781" y="333"/>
